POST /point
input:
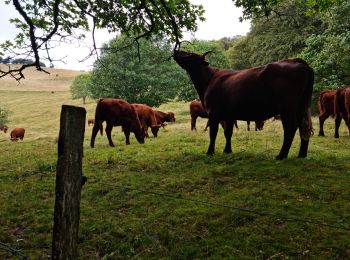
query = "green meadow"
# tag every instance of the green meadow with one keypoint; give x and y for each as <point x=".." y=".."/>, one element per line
<point x="166" y="199"/>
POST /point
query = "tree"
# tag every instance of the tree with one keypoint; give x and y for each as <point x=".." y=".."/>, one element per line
<point x="44" y="23"/>
<point x="4" y="114"/>
<point x="282" y="35"/>
<point x="79" y="87"/>
<point x="328" y="52"/>
<point x="154" y="80"/>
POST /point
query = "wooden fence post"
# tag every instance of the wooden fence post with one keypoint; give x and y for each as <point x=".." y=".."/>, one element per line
<point x="69" y="181"/>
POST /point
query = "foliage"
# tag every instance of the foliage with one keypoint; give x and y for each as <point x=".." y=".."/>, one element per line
<point x="257" y="8"/>
<point x="328" y="52"/>
<point x="79" y="87"/>
<point x="282" y="35"/>
<point x="43" y="24"/>
<point x="4" y="114"/>
<point x="151" y="78"/>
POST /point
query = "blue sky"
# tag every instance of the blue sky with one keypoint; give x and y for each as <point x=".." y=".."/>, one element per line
<point x="221" y="21"/>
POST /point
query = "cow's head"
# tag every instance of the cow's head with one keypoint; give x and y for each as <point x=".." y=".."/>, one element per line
<point x="137" y="129"/>
<point x="155" y="129"/>
<point x="189" y="61"/>
<point x="170" y="117"/>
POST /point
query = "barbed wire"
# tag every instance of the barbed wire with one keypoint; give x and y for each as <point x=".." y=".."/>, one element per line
<point x="227" y="206"/>
<point x="13" y="251"/>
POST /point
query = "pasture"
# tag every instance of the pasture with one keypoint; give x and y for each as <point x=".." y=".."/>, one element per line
<point x="167" y="199"/>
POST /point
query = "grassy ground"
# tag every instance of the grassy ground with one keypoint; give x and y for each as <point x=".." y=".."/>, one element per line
<point x="167" y="199"/>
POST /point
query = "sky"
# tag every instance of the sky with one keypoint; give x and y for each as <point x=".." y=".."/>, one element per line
<point x="222" y="20"/>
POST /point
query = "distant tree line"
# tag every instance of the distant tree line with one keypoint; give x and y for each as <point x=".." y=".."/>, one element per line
<point x="9" y="60"/>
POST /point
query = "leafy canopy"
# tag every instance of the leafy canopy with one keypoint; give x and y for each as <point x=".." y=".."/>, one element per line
<point x="120" y="74"/>
<point x="45" y="23"/>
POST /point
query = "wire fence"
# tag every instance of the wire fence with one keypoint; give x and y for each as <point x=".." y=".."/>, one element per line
<point x="166" y="195"/>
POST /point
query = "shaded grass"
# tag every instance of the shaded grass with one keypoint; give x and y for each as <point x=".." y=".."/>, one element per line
<point x="167" y="199"/>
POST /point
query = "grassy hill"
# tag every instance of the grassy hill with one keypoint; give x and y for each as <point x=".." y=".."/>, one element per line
<point x="167" y="199"/>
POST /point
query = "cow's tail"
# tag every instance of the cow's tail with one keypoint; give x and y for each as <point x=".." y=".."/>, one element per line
<point x="305" y="128"/>
<point x="337" y="103"/>
<point x="320" y="103"/>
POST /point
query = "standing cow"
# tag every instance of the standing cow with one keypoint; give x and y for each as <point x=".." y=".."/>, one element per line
<point x="147" y="119"/>
<point x="342" y="108"/>
<point x="17" y="133"/>
<point x="91" y="121"/>
<point x="325" y="105"/>
<point x="257" y="94"/>
<point x="116" y="112"/>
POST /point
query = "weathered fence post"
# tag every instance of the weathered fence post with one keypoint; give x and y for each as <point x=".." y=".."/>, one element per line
<point x="69" y="181"/>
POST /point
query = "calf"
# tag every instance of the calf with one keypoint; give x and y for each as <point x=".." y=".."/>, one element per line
<point x="116" y="112"/>
<point x="17" y="133"/>
<point x="163" y="117"/>
<point x="147" y="119"/>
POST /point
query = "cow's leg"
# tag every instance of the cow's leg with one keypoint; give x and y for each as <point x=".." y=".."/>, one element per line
<point x="126" y="131"/>
<point x="213" y="131"/>
<point x="109" y="133"/>
<point x="248" y="125"/>
<point x="228" y="135"/>
<point x="321" y="120"/>
<point x="95" y="130"/>
<point x="290" y="126"/>
<point x="236" y="124"/>
<point x="193" y="123"/>
<point x="337" y="125"/>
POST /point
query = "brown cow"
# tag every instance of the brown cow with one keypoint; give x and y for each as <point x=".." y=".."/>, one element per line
<point x="257" y="94"/>
<point x="17" y="133"/>
<point x="91" y="121"/>
<point x="147" y="119"/>
<point x="342" y="108"/>
<point x="163" y="117"/>
<point x="116" y="112"/>
<point x="3" y="128"/>
<point x="325" y="105"/>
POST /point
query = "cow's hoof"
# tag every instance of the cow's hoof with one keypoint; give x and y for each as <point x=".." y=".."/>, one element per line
<point x="280" y="157"/>
<point x="321" y="134"/>
<point x="228" y="151"/>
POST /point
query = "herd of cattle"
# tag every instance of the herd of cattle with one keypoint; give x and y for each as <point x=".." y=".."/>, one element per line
<point x="16" y="133"/>
<point x="279" y="89"/>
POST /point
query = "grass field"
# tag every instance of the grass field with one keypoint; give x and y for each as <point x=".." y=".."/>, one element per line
<point x="167" y="199"/>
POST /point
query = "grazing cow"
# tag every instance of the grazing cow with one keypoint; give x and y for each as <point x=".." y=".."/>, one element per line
<point x="116" y="112"/>
<point x="342" y="108"/>
<point x="325" y="105"/>
<point x="256" y="94"/>
<point x="17" y="133"/>
<point x="91" y="121"/>
<point x="163" y="117"/>
<point x="259" y="125"/>
<point x="3" y="128"/>
<point x="147" y="119"/>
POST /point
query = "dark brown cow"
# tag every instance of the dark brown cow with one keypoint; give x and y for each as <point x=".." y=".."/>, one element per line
<point x="342" y="108"/>
<point x="17" y="133"/>
<point x="325" y="105"/>
<point x="3" y="128"/>
<point x="147" y="119"/>
<point x="116" y="112"/>
<point x="257" y="94"/>
<point x="91" y="121"/>
<point x="163" y="117"/>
